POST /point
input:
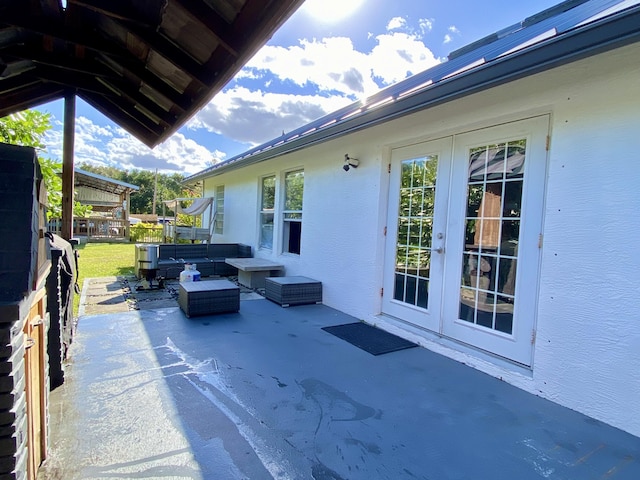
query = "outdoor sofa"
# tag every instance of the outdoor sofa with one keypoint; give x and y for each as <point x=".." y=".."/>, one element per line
<point x="209" y="258"/>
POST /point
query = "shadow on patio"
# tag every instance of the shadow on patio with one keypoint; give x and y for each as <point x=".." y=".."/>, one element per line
<point x="266" y="393"/>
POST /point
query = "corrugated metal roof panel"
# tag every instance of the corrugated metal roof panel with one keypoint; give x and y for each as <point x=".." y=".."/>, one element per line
<point x="90" y="179"/>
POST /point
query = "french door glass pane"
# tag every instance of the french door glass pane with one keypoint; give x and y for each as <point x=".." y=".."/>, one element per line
<point x="415" y="230"/>
<point x="492" y="231"/>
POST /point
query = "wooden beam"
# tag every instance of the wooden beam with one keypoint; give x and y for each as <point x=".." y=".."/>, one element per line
<point x="67" y="164"/>
<point x="106" y="9"/>
<point x="135" y="123"/>
<point x="38" y="56"/>
<point x="17" y="83"/>
<point x="144" y="33"/>
<point x="217" y="25"/>
<point x="117" y="90"/>
<point x="145" y="76"/>
<point x="171" y="53"/>
<point x="28" y="97"/>
<point x="139" y="116"/>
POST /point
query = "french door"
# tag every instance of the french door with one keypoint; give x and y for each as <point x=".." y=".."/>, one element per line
<point x="416" y="225"/>
<point x="464" y="232"/>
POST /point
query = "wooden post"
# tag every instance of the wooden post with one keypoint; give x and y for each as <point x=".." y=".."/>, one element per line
<point x="155" y="193"/>
<point x="125" y="214"/>
<point x="66" y="231"/>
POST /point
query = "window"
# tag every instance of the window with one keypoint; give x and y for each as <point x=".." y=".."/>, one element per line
<point x="492" y="234"/>
<point x="292" y="213"/>
<point x="416" y="214"/>
<point x="218" y="227"/>
<point x="267" y="203"/>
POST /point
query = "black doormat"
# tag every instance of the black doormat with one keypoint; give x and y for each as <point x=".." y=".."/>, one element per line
<point x="368" y="338"/>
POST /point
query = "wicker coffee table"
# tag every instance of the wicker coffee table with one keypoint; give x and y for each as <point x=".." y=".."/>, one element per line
<point x="293" y="290"/>
<point x="208" y="296"/>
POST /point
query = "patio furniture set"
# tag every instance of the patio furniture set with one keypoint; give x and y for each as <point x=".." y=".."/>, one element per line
<point x="219" y="295"/>
<point x="210" y="258"/>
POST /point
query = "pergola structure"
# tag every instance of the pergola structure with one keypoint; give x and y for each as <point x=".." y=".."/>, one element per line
<point x="147" y="65"/>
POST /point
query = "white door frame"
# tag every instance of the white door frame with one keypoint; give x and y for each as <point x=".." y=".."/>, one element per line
<point x="442" y="317"/>
<point x="517" y="346"/>
<point x="430" y="317"/>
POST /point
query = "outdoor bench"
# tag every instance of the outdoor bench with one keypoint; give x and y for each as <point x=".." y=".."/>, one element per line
<point x="209" y="258"/>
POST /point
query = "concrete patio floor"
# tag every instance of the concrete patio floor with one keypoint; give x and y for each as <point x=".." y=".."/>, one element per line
<point x="265" y="393"/>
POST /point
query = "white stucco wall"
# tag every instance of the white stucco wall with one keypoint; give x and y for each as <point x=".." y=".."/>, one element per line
<point x="587" y="350"/>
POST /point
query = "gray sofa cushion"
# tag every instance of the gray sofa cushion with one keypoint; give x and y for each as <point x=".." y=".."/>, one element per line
<point x="191" y="250"/>
<point x="166" y="251"/>
<point x="209" y="259"/>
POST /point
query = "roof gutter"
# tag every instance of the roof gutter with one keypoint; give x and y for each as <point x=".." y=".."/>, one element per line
<point x="614" y="32"/>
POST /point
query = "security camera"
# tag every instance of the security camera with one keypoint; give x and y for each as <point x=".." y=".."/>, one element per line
<point x="350" y="162"/>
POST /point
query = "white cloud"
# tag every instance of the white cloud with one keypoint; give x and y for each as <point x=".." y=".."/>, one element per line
<point x="395" y="23"/>
<point x="332" y="67"/>
<point x="453" y="30"/>
<point x="399" y="55"/>
<point x="331" y="64"/>
<point x="113" y="146"/>
<point x="254" y="117"/>
<point x="426" y="25"/>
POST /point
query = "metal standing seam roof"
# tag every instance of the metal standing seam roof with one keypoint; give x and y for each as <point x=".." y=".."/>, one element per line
<point x="569" y="31"/>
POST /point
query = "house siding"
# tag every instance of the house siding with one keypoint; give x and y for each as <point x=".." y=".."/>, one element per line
<point x="587" y="343"/>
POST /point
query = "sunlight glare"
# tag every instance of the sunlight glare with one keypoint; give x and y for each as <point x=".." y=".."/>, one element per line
<point x="330" y="11"/>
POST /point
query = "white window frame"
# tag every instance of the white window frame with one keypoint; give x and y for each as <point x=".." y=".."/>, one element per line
<point x="291" y="216"/>
<point x="265" y="212"/>
<point x="218" y="225"/>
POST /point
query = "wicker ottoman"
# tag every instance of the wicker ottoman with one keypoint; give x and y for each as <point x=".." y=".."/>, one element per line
<point x="208" y="296"/>
<point x="288" y="291"/>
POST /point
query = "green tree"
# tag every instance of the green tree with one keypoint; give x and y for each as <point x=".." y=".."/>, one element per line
<point x="27" y="128"/>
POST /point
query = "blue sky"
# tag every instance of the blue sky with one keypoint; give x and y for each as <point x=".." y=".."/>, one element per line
<point x="330" y="53"/>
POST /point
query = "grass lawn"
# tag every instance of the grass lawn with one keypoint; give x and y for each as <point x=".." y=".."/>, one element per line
<point x="103" y="260"/>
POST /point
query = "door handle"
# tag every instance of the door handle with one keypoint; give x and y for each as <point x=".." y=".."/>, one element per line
<point x="438" y="250"/>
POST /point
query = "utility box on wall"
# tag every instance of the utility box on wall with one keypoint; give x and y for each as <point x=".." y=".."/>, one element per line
<point x="24" y="267"/>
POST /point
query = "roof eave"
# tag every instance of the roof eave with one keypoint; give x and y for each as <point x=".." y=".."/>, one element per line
<point x="280" y="14"/>
<point x="614" y="32"/>
<point x="102" y="178"/>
